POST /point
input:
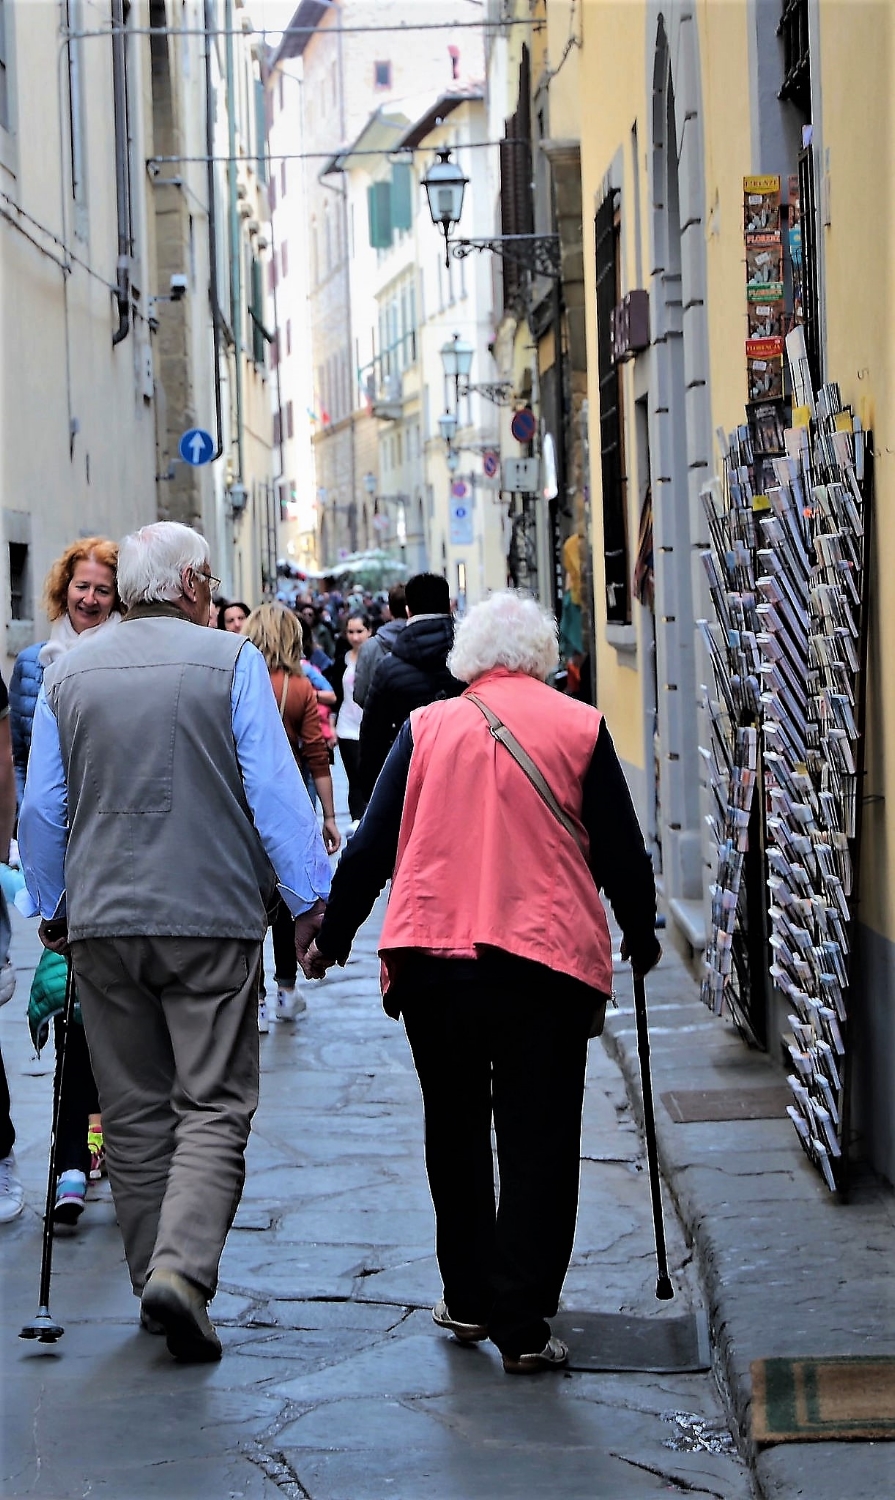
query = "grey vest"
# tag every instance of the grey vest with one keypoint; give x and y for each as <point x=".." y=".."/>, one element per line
<point x="161" y="839"/>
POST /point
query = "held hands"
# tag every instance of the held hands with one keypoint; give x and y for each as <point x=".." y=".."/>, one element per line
<point x="314" y="964"/>
<point x="307" y="925"/>
<point x="332" y="838"/>
<point x="639" y="973"/>
<point x="54" y="934"/>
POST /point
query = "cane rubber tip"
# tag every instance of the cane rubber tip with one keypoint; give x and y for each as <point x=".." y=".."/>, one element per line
<point x="664" y="1289"/>
<point x="43" y="1329"/>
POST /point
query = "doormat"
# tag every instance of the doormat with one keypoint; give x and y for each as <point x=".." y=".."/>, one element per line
<point x="811" y="1400"/>
<point x="690" y="1106"/>
<point x="655" y="1346"/>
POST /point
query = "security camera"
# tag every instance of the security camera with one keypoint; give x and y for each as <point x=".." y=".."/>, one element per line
<point x="178" y="287"/>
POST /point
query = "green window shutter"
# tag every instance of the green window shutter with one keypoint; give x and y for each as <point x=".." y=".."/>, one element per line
<point x="379" y="199"/>
<point x="402" y="196"/>
<point x="258" y="314"/>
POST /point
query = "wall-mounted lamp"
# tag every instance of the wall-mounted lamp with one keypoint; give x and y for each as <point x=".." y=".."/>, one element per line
<point x="445" y="186"/>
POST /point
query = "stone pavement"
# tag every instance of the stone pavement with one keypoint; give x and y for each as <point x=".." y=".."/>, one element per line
<point x="787" y="1269"/>
<point x="336" y="1386"/>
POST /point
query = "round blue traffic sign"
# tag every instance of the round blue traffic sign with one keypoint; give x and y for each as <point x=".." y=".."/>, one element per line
<point x="491" y="463"/>
<point x="524" y="425"/>
<point x="196" y="446"/>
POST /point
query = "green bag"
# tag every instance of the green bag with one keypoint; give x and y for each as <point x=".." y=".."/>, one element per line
<point x="47" y="998"/>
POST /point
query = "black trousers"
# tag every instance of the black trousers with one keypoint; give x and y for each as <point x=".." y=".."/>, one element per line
<point x="282" y="930"/>
<point x="357" y="801"/>
<point x="502" y="1039"/>
<point x="7" y="1131"/>
<point x="79" y="1099"/>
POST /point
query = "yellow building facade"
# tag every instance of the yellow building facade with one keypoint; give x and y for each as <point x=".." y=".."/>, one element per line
<point x="678" y="102"/>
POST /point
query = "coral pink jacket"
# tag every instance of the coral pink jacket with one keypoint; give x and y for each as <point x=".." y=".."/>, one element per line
<point x="481" y="860"/>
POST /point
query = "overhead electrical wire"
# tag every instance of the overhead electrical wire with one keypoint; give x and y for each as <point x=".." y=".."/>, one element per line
<point x="535" y="23"/>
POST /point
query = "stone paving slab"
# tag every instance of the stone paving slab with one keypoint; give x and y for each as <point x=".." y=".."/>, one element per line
<point x="335" y="1384"/>
<point x="787" y="1268"/>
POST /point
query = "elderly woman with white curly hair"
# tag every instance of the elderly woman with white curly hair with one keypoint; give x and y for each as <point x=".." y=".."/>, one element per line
<point x="500" y="816"/>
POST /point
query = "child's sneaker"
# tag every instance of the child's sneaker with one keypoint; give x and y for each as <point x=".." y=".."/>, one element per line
<point x="289" y="1003"/>
<point x="96" y="1147"/>
<point x="71" y="1190"/>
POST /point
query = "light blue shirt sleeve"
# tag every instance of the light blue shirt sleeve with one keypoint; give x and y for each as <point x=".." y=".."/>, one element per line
<point x="43" y="819"/>
<point x="316" y="678"/>
<point x="277" y="796"/>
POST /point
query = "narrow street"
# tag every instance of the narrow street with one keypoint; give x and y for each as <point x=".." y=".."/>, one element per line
<point x="335" y="1384"/>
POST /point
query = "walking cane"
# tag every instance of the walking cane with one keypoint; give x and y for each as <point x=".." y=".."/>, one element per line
<point x="43" y="1328"/>
<point x="664" y="1289"/>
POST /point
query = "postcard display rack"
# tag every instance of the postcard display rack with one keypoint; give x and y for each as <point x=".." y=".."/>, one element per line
<point x="788" y="522"/>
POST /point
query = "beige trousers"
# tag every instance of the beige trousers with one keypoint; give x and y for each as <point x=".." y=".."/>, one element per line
<point x="172" y="1027"/>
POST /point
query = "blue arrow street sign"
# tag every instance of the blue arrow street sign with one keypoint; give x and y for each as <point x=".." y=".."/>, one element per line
<point x="196" y="446"/>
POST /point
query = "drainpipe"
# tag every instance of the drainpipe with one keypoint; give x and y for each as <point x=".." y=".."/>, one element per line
<point x="122" y="171"/>
<point x="213" y="288"/>
<point x="235" y="248"/>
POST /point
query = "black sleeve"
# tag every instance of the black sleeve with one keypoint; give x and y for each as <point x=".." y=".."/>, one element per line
<point x="619" y="862"/>
<point x="368" y="858"/>
<point x="375" y="729"/>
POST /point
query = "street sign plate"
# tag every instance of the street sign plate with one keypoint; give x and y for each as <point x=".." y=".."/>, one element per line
<point x="459" y="489"/>
<point x="490" y="463"/>
<point x="461" y="524"/>
<point x="196" y="446"/>
<point x="521" y="474"/>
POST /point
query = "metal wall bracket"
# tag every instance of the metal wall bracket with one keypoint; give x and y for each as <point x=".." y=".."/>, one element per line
<point x="538" y="253"/>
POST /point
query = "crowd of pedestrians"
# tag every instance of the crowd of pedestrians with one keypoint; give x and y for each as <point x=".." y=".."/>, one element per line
<point x="494" y="804"/>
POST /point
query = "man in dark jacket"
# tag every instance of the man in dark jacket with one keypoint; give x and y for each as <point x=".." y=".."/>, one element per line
<point x="380" y="644"/>
<point x="412" y="674"/>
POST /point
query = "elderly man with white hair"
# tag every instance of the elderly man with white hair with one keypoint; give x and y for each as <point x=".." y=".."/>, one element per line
<point x="152" y="745"/>
<point x="500" y="816"/>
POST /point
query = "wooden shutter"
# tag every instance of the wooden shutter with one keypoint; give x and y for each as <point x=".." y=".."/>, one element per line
<point x="402" y="196"/>
<point x="379" y="196"/>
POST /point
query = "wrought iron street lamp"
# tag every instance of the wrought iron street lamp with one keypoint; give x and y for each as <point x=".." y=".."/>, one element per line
<point x="445" y="185"/>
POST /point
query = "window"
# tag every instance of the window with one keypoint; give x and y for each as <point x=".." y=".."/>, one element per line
<point x="290" y="425"/>
<point x="280" y="89"/>
<point x="454" y="55"/>
<point x="612" y="448"/>
<point x="382" y="75"/>
<point x="793" y="29"/>
<point x="19" y="582"/>
<point x="272" y="193"/>
<point x="288" y="335"/>
<point x="284" y="260"/>
<point x="283" y="178"/>
<point x="277" y="429"/>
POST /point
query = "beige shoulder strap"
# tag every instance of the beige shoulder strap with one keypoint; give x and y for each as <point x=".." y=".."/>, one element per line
<point x="284" y="695"/>
<point x="522" y="758"/>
